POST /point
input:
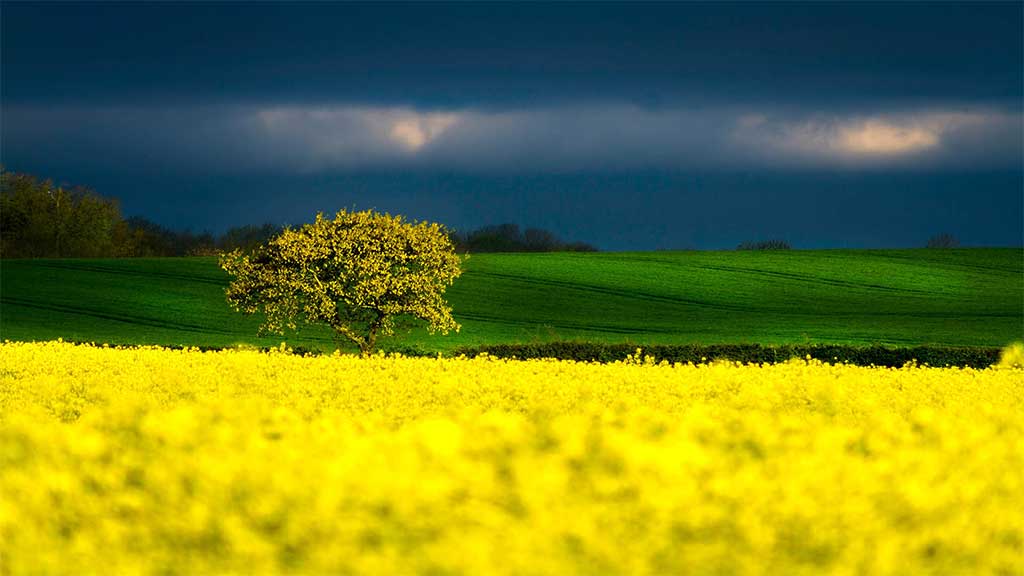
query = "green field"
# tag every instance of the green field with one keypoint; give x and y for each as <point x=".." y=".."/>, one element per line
<point x="971" y="297"/>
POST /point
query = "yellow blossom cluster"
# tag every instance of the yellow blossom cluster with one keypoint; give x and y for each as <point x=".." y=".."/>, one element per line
<point x="355" y="273"/>
<point x="156" y="461"/>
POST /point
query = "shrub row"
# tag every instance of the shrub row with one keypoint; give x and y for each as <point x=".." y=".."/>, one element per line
<point x="975" y="357"/>
<point x="765" y="245"/>
<point x="509" y="238"/>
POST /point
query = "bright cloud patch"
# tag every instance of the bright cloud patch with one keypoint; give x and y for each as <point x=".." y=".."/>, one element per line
<point x="351" y="135"/>
<point x="419" y="130"/>
<point x="881" y="138"/>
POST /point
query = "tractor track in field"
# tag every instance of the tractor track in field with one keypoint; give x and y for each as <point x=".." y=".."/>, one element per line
<point x="589" y="327"/>
<point x="134" y="273"/>
<point x="567" y="285"/>
<point x="948" y="264"/>
<point x="812" y="279"/>
<point x="646" y="296"/>
<point x="106" y="315"/>
<point x="806" y="278"/>
<point x="631" y="294"/>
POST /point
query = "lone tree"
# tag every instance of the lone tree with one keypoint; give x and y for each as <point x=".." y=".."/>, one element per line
<point x="355" y="273"/>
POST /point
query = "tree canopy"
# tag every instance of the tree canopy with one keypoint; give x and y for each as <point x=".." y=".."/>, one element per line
<point x="356" y="273"/>
<point x="39" y="219"/>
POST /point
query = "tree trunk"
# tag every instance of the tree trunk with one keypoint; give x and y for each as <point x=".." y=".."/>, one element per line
<point x="371" y="337"/>
<point x="365" y="343"/>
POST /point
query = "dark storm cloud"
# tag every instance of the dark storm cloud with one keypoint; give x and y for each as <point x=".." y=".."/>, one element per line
<point x="513" y="55"/>
<point x="552" y="139"/>
<point x="553" y="87"/>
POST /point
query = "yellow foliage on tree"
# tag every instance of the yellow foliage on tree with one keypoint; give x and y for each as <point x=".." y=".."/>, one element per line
<point x="355" y="273"/>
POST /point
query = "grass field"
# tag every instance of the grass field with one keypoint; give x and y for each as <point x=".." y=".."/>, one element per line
<point x="898" y="297"/>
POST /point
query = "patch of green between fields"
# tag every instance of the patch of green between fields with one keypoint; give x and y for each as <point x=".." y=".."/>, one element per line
<point x="965" y="297"/>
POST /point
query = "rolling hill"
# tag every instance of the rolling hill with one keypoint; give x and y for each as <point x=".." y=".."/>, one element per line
<point x="970" y="297"/>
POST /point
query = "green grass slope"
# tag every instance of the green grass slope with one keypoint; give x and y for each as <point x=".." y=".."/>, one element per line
<point x="898" y="297"/>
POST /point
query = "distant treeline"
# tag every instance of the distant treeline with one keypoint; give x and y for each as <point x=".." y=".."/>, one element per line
<point x="41" y="220"/>
<point x="151" y="239"/>
<point x="765" y="245"/>
<point x="509" y="238"/>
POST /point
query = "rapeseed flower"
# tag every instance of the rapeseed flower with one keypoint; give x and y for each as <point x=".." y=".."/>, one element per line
<point x="147" y="461"/>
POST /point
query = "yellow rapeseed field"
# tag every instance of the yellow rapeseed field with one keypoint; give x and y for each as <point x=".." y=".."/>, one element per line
<point x="152" y="461"/>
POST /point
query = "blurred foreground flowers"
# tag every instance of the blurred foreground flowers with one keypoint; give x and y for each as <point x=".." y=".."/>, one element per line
<point x="146" y="461"/>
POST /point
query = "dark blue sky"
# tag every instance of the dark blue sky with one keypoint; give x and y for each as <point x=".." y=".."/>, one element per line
<point x="628" y="126"/>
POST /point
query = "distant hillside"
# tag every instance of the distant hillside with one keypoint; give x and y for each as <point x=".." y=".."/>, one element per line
<point x="898" y="297"/>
